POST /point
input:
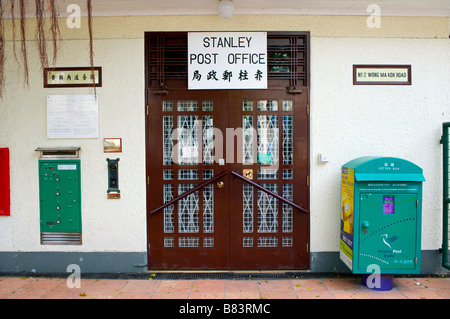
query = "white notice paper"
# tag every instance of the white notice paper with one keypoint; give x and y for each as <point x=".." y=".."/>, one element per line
<point x="72" y="116"/>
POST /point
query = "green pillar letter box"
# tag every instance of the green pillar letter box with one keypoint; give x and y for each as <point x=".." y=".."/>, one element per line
<point x="60" y="198"/>
<point x="381" y="213"/>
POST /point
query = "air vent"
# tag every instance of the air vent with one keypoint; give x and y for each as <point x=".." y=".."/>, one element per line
<point x="60" y="238"/>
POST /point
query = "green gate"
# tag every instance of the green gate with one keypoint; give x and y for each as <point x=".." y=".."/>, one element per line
<point x="446" y="195"/>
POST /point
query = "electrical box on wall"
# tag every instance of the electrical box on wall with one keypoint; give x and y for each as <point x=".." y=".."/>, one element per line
<point x="60" y="197"/>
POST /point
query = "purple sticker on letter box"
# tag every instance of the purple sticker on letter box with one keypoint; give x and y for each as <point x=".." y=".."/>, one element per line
<point x="388" y="204"/>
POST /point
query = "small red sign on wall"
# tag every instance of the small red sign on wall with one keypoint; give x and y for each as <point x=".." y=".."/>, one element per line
<point x="4" y="182"/>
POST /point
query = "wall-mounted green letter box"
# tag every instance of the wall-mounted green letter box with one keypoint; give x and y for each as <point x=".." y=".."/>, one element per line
<point x="60" y="197"/>
<point x="381" y="213"/>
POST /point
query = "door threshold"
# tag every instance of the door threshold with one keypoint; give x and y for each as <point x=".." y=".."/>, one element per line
<point x="228" y="274"/>
<point x="206" y="271"/>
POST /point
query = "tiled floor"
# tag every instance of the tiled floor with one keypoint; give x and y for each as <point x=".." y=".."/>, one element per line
<point x="304" y="288"/>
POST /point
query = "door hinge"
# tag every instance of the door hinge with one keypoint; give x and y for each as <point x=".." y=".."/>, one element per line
<point x="147" y="109"/>
<point x="148" y="180"/>
<point x="415" y="261"/>
<point x="307" y="180"/>
<point x="417" y="203"/>
<point x="307" y="248"/>
<point x="307" y="109"/>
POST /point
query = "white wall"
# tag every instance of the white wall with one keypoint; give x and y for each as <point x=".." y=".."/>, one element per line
<point x="107" y="225"/>
<point x="350" y="121"/>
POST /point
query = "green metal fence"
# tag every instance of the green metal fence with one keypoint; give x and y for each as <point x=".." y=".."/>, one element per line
<point x="446" y="195"/>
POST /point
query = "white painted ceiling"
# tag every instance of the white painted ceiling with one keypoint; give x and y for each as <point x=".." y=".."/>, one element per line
<point x="308" y="7"/>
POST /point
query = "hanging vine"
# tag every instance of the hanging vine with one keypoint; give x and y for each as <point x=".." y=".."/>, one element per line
<point x="91" y="44"/>
<point x="24" y="42"/>
<point x="56" y="34"/>
<point x="40" y="6"/>
<point x="13" y="22"/>
<point x="2" y="51"/>
<point x="40" y="34"/>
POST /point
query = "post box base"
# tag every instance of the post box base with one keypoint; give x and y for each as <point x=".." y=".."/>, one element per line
<point x="378" y="282"/>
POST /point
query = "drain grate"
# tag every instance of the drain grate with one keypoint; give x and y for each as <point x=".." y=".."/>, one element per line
<point x="208" y="275"/>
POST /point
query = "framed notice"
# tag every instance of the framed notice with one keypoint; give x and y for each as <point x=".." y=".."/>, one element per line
<point x="227" y="60"/>
<point x="72" y="116"/>
<point x="370" y="74"/>
<point x="72" y="77"/>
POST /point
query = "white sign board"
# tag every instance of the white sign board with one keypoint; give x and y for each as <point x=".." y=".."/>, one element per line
<point x="227" y="60"/>
<point x="72" y="116"/>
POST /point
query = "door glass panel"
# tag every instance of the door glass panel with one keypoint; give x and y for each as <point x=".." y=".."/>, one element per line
<point x="187" y="139"/>
<point x="208" y="242"/>
<point x="267" y="210"/>
<point x="208" y="140"/>
<point x="167" y="140"/>
<point x="287" y="139"/>
<point x="287" y="209"/>
<point x="267" y="174"/>
<point x="287" y="105"/>
<point x="288" y="174"/>
<point x="247" y="105"/>
<point x="188" y="210"/>
<point x="287" y="242"/>
<point x="187" y="106"/>
<point x="208" y="173"/>
<point x="168" y="174"/>
<point x="207" y="106"/>
<point x="247" y="125"/>
<point x="168" y="106"/>
<point x="188" y="174"/>
<point x="169" y="242"/>
<point x="168" y="211"/>
<point x="267" y="241"/>
<point x="268" y="139"/>
<point x="247" y="209"/>
<point x="208" y="209"/>
<point x="247" y="242"/>
<point x="188" y="242"/>
<point x="268" y="105"/>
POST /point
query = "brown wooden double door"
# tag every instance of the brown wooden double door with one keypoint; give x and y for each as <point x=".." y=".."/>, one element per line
<point x="227" y="180"/>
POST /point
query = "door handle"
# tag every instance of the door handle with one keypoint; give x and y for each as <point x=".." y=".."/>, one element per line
<point x="220" y="184"/>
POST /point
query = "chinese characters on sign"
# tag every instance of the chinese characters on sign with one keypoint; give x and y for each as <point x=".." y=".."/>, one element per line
<point x="227" y="60"/>
<point x="72" y="77"/>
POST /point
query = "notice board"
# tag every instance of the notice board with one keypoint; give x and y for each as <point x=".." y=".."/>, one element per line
<point x="72" y="116"/>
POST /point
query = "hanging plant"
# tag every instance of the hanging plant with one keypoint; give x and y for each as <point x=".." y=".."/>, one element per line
<point x="91" y="44"/>
<point x="40" y="33"/>
<point x="13" y="22"/>
<point x="2" y="51"/>
<point x="24" y="42"/>
<point x="56" y="34"/>
<point x="40" y="37"/>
